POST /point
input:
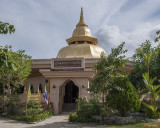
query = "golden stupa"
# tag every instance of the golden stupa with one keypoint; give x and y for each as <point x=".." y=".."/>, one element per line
<point x="81" y="44"/>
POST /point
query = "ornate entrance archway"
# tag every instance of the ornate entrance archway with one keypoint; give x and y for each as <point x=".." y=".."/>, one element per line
<point x="69" y="92"/>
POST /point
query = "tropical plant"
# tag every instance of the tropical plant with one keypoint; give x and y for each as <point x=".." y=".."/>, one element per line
<point x="152" y="89"/>
<point x="146" y="59"/>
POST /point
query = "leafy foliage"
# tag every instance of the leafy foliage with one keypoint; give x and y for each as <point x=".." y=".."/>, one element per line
<point x="86" y="111"/>
<point x="32" y="117"/>
<point x="146" y="59"/>
<point x="149" y="110"/>
<point x="6" y="27"/>
<point x="152" y="89"/>
<point x="4" y="58"/>
<point x="34" y="112"/>
<point x="73" y="117"/>
<point x="123" y="100"/>
<point x="31" y="104"/>
<point x="158" y="36"/>
<point x="12" y="104"/>
<point x="107" y="70"/>
<point x="14" y="76"/>
<point x="14" y="66"/>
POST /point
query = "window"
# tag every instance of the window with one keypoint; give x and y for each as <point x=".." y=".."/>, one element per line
<point x="32" y="89"/>
<point x="73" y="42"/>
<point x="40" y="88"/>
<point x="89" y="42"/>
<point x="80" y="42"/>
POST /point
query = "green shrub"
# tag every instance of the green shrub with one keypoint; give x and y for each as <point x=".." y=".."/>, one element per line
<point x="86" y="111"/>
<point x="12" y="104"/>
<point x="73" y="117"/>
<point x="123" y="100"/>
<point x="149" y="110"/>
<point x="32" y="111"/>
<point x="32" y="118"/>
<point x="33" y="108"/>
<point x="31" y="104"/>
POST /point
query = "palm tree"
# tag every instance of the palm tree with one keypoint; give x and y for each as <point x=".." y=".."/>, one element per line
<point x="147" y="56"/>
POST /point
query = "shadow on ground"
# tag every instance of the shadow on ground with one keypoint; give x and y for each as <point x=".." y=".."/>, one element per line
<point x="64" y="125"/>
<point x="52" y="122"/>
<point x="8" y="120"/>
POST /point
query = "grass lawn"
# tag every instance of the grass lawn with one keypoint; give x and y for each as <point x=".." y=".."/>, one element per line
<point x="137" y="125"/>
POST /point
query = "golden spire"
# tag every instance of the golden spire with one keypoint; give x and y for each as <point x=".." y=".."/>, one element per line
<point x="81" y="21"/>
<point x="82" y="33"/>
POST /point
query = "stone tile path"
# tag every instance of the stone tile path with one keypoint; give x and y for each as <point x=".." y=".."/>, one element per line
<point x="60" y="121"/>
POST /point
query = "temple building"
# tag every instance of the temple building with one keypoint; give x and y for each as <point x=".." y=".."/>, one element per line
<point x="66" y="77"/>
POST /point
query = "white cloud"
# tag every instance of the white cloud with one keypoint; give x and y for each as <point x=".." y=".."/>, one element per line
<point x="43" y="26"/>
<point x="111" y="36"/>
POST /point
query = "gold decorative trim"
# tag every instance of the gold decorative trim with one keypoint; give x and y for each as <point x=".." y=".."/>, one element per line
<point x="35" y="74"/>
<point x="82" y="38"/>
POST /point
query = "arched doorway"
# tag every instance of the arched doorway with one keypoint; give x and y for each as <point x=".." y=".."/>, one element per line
<point x="70" y="96"/>
<point x="71" y="92"/>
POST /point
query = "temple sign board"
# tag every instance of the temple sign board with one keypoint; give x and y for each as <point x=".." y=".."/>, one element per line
<point x="67" y="64"/>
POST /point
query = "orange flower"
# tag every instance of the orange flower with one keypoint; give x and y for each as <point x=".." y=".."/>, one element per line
<point x="145" y="124"/>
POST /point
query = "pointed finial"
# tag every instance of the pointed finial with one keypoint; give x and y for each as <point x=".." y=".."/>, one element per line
<point x="81" y="16"/>
<point x="81" y="21"/>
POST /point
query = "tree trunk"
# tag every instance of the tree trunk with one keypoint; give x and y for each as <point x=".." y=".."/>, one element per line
<point x="9" y="87"/>
<point x="102" y="108"/>
<point x="3" y="98"/>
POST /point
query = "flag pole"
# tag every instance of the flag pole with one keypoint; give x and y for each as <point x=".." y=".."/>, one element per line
<point x="28" y="94"/>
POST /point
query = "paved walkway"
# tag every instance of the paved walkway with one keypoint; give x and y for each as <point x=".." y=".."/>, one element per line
<point x="60" y="121"/>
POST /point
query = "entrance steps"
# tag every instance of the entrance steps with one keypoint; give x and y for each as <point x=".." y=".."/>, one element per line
<point x="69" y="107"/>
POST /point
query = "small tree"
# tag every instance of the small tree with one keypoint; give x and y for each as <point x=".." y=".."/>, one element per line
<point x="4" y="52"/>
<point x="123" y="100"/>
<point x="14" y="66"/>
<point x="108" y="68"/>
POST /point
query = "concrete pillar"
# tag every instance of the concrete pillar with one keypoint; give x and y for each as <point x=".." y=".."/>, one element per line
<point x="54" y="96"/>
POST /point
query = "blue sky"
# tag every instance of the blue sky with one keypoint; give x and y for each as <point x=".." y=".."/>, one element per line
<point x="42" y="26"/>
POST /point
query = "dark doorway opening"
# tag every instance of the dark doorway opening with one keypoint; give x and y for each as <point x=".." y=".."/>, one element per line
<point x="71" y="92"/>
